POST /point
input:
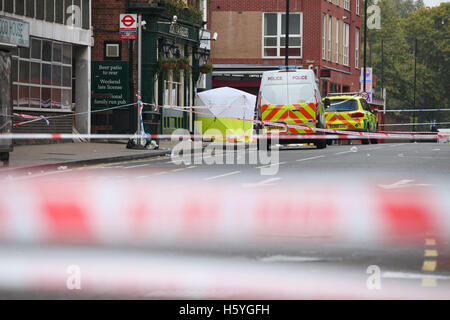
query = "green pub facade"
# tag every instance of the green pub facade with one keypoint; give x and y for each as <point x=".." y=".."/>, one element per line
<point x="170" y="67"/>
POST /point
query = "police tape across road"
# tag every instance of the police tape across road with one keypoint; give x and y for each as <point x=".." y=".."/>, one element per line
<point x="164" y="212"/>
<point x="342" y="135"/>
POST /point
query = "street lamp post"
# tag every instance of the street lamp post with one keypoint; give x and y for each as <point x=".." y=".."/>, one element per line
<point x="286" y="61"/>
<point x="365" y="45"/>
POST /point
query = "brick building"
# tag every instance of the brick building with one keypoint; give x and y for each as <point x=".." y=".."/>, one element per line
<point x="324" y="35"/>
<point x="162" y="39"/>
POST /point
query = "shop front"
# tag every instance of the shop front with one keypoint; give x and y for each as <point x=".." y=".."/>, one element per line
<point x="171" y="55"/>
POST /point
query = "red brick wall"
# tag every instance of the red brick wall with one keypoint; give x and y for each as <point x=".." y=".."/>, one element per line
<point x="312" y="34"/>
<point x="105" y="20"/>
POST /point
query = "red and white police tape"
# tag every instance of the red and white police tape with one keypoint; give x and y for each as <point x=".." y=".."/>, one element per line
<point x="164" y="212"/>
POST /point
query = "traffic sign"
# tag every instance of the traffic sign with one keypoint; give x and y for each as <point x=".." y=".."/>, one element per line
<point x="128" y="26"/>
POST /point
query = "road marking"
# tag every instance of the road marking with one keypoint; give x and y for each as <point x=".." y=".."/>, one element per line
<point x="263" y="183"/>
<point x="191" y="167"/>
<point x="411" y="275"/>
<point x="142" y="177"/>
<point x="429" y="265"/>
<point x="161" y="173"/>
<point x="281" y="258"/>
<point x="312" y="158"/>
<point x="138" y="166"/>
<point x="429" y="282"/>
<point x="430" y="242"/>
<point x="343" y="152"/>
<point x="403" y="184"/>
<point x="431" y="253"/>
<point x="178" y="170"/>
<point x="222" y="175"/>
<point x="271" y="165"/>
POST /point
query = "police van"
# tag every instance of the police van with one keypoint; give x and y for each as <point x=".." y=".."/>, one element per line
<point x="290" y="96"/>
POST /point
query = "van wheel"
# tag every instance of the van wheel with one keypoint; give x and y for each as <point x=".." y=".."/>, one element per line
<point x="374" y="141"/>
<point x="266" y="145"/>
<point x="321" y="144"/>
<point x="366" y="141"/>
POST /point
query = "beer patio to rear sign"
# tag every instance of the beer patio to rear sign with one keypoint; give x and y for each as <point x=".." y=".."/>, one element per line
<point x="128" y="26"/>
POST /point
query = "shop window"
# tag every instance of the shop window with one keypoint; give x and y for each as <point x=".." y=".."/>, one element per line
<point x="46" y="97"/>
<point x="57" y="48"/>
<point x="20" y="7"/>
<point x="59" y="11"/>
<point x="49" y="11"/>
<point x="67" y="54"/>
<point x="35" y="77"/>
<point x="35" y="97"/>
<point x="56" y="75"/>
<point x="24" y="71"/>
<point x="30" y="8"/>
<point x="46" y="50"/>
<point x="86" y="14"/>
<point x="9" y="6"/>
<point x="36" y="48"/>
<point x="24" y="96"/>
<point x="40" y="5"/>
<point x="46" y="74"/>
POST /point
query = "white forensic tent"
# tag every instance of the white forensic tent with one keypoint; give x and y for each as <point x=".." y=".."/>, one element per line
<point x="227" y="110"/>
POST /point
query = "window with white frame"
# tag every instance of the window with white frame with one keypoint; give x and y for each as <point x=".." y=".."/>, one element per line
<point x="347" y="4"/>
<point x="337" y="41"/>
<point x="324" y="32"/>
<point x="330" y="32"/>
<point x="42" y="75"/>
<point x="74" y="13"/>
<point x="274" y="35"/>
<point x="346" y="43"/>
<point x="357" y="48"/>
<point x="357" y="6"/>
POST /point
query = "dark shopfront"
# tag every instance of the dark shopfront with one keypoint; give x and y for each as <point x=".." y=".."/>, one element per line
<point x="169" y="65"/>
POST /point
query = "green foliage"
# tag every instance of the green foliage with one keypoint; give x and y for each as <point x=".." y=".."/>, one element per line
<point x="178" y="8"/>
<point x="206" y="68"/>
<point x="404" y="21"/>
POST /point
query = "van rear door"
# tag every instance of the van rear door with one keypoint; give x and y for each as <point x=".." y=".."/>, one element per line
<point x="302" y="103"/>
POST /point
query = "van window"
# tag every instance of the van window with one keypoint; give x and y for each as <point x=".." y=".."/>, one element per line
<point x="343" y="105"/>
<point x="301" y="93"/>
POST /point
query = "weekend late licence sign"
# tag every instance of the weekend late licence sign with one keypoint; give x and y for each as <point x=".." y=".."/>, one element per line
<point x="128" y="26"/>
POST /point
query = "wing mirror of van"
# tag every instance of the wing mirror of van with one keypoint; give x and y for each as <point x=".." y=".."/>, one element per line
<point x="375" y="111"/>
<point x="327" y="103"/>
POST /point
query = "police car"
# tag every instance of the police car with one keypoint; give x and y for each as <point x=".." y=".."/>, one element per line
<point x="350" y="112"/>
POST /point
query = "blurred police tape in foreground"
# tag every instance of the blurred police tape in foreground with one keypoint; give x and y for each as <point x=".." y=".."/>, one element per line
<point x="134" y="238"/>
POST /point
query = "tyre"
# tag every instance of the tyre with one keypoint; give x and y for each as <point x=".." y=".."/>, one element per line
<point x="374" y="141"/>
<point x="321" y="144"/>
<point x="264" y="145"/>
<point x="366" y="141"/>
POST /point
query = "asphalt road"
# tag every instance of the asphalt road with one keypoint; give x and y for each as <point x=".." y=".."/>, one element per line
<point x="393" y="166"/>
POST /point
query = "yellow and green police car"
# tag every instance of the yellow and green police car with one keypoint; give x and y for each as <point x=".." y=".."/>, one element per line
<point x="350" y="113"/>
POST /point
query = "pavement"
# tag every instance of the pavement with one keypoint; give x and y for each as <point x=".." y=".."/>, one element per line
<point x="47" y="156"/>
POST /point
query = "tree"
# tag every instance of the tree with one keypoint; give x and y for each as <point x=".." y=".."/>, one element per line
<point x="404" y="21"/>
